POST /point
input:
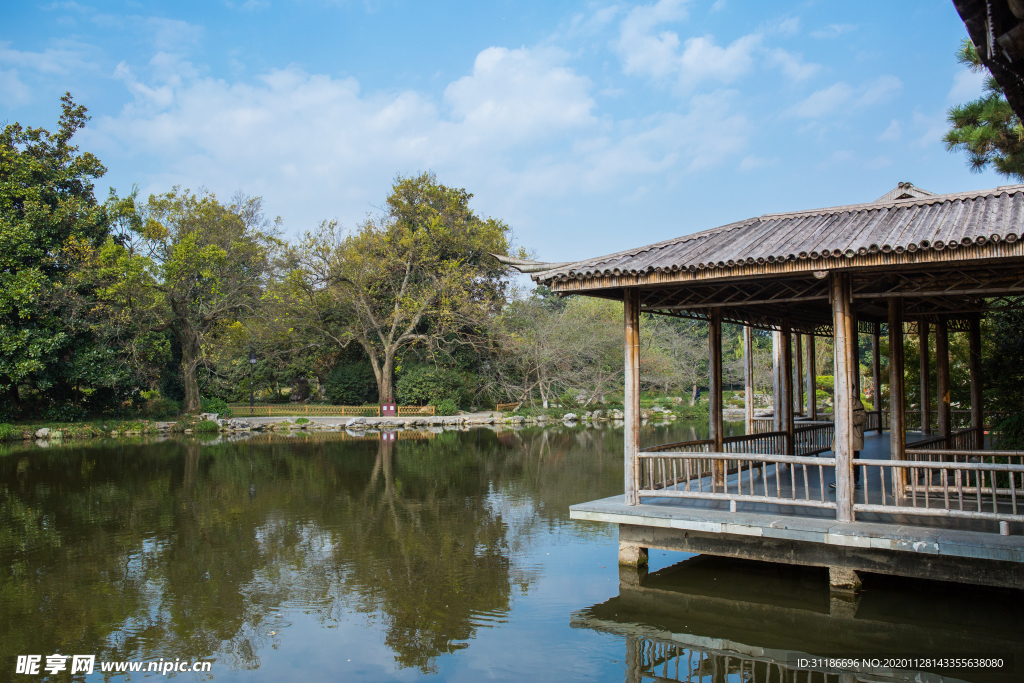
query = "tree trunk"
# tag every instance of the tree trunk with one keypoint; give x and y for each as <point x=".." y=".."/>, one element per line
<point x="693" y="395"/>
<point x="190" y="348"/>
<point x="386" y="382"/>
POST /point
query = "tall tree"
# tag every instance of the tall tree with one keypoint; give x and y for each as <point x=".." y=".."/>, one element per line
<point x="987" y="128"/>
<point x="419" y="274"/>
<point x="193" y="266"/>
<point x="46" y="201"/>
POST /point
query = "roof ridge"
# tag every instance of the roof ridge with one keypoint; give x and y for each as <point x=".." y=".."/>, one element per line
<point x="921" y="201"/>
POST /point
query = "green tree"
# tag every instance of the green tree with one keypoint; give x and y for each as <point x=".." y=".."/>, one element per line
<point x="420" y="274"/>
<point x="193" y="266"/>
<point x="987" y="128"/>
<point x="46" y="202"/>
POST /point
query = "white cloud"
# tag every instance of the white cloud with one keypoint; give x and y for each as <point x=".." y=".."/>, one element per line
<point x="645" y="53"/>
<point x="893" y="132"/>
<point x="52" y="61"/>
<point x="520" y="94"/>
<point x="883" y="88"/>
<point x="12" y="91"/>
<point x="834" y="30"/>
<point x="967" y="85"/>
<point x="792" y="65"/>
<point x="823" y="101"/>
<point x="717" y="6"/>
<point x="828" y="100"/>
<point x="751" y="163"/>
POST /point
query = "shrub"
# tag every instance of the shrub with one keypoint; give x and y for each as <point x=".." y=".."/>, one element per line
<point x="352" y="384"/>
<point x="161" y="408"/>
<point x="301" y="421"/>
<point x="423" y="385"/>
<point x="206" y="426"/>
<point x="1010" y="433"/>
<point x="446" y="407"/>
<point x="8" y="432"/>
<point x="215" y="405"/>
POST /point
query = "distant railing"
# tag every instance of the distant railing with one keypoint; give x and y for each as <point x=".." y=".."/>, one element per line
<point x="874" y="422"/>
<point x="764" y="443"/>
<point x="505" y="407"/>
<point x="289" y="409"/>
<point x="959" y="419"/>
<point x="780" y="479"/>
<point x="813" y="438"/>
<point x="763" y="424"/>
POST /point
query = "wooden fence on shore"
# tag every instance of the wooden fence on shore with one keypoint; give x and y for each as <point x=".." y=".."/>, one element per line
<point x="287" y="409"/>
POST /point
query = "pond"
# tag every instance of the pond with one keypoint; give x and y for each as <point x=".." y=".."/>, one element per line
<point x="447" y="556"/>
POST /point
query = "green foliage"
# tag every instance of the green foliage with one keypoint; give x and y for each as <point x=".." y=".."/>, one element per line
<point x="351" y="384"/>
<point x="301" y="421"/>
<point x="63" y="412"/>
<point x="422" y="385"/>
<point x="825" y="383"/>
<point x="987" y="129"/>
<point x="161" y="408"/>
<point x="215" y="405"/>
<point x="1004" y="360"/>
<point x="1010" y="433"/>
<point x="447" y="407"/>
<point x="206" y="426"/>
<point x="700" y="411"/>
<point x="9" y="432"/>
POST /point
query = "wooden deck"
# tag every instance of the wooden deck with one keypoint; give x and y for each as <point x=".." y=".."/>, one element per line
<point x="886" y="543"/>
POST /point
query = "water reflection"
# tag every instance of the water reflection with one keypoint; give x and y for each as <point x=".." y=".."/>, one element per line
<point x="142" y="551"/>
<point x="716" y="619"/>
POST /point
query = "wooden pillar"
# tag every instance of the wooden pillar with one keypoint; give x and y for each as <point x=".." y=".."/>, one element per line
<point x="977" y="389"/>
<point x="787" y="384"/>
<point x="812" y="380"/>
<point x="776" y="381"/>
<point x="942" y="370"/>
<point x="715" y="391"/>
<point x="897" y="421"/>
<point x="748" y="377"/>
<point x="631" y="392"/>
<point x="926" y="391"/>
<point x="876" y="371"/>
<point x="798" y="357"/>
<point x="851" y="322"/>
<point x="839" y="290"/>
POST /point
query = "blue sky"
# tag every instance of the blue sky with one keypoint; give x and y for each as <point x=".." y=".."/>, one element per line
<point x="590" y="127"/>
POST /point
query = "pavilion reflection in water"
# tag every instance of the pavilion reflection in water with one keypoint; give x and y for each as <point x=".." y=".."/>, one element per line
<point x="712" y="620"/>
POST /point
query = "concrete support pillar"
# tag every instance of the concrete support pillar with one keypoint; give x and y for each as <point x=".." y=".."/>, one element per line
<point x="977" y="387"/>
<point x="631" y="394"/>
<point x="812" y="380"/>
<point x="926" y="387"/>
<point x="945" y="424"/>
<point x="839" y="290"/>
<point x="776" y="381"/>
<point x="876" y="371"/>
<point x="631" y="554"/>
<point x="715" y="390"/>
<point x="798" y="373"/>
<point x="787" y="384"/>
<point x="748" y="378"/>
<point x="897" y="419"/>
<point x="843" y="580"/>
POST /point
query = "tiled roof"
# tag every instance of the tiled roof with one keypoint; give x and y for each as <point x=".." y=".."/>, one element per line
<point x="930" y="222"/>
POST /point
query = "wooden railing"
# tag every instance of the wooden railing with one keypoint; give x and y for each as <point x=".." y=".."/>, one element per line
<point x="764" y="443"/>
<point x="813" y="438"/>
<point x="874" y="422"/>
<point x="415" y="411"/>
<point x="946" y="483"/>
<point x="504" y="407"/>
<point x="763" y="424"/>
<point x="780" y="479"/>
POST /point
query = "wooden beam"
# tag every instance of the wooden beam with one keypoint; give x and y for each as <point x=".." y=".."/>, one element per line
<point x="843" y="404"/>
<point x="812" y="380"/>
<point x="787" y="385"/>
<point x="748" y="377"/>
<point x="631" y="393"/>
<point x="876" y="371"/>
<point x="897" y="420"/>
<point x="942" y="370"/>
<point x="977" y="388"/>
<point x="925" y="372"/>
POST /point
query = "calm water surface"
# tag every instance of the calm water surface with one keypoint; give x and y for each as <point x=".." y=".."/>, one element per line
<point x="451" y="557"/>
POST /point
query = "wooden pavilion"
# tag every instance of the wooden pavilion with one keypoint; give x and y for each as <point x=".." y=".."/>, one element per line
<point x="908" y="263"/>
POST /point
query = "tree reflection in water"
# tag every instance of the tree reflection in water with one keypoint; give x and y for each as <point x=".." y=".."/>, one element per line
<point x="148" y="551"/>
